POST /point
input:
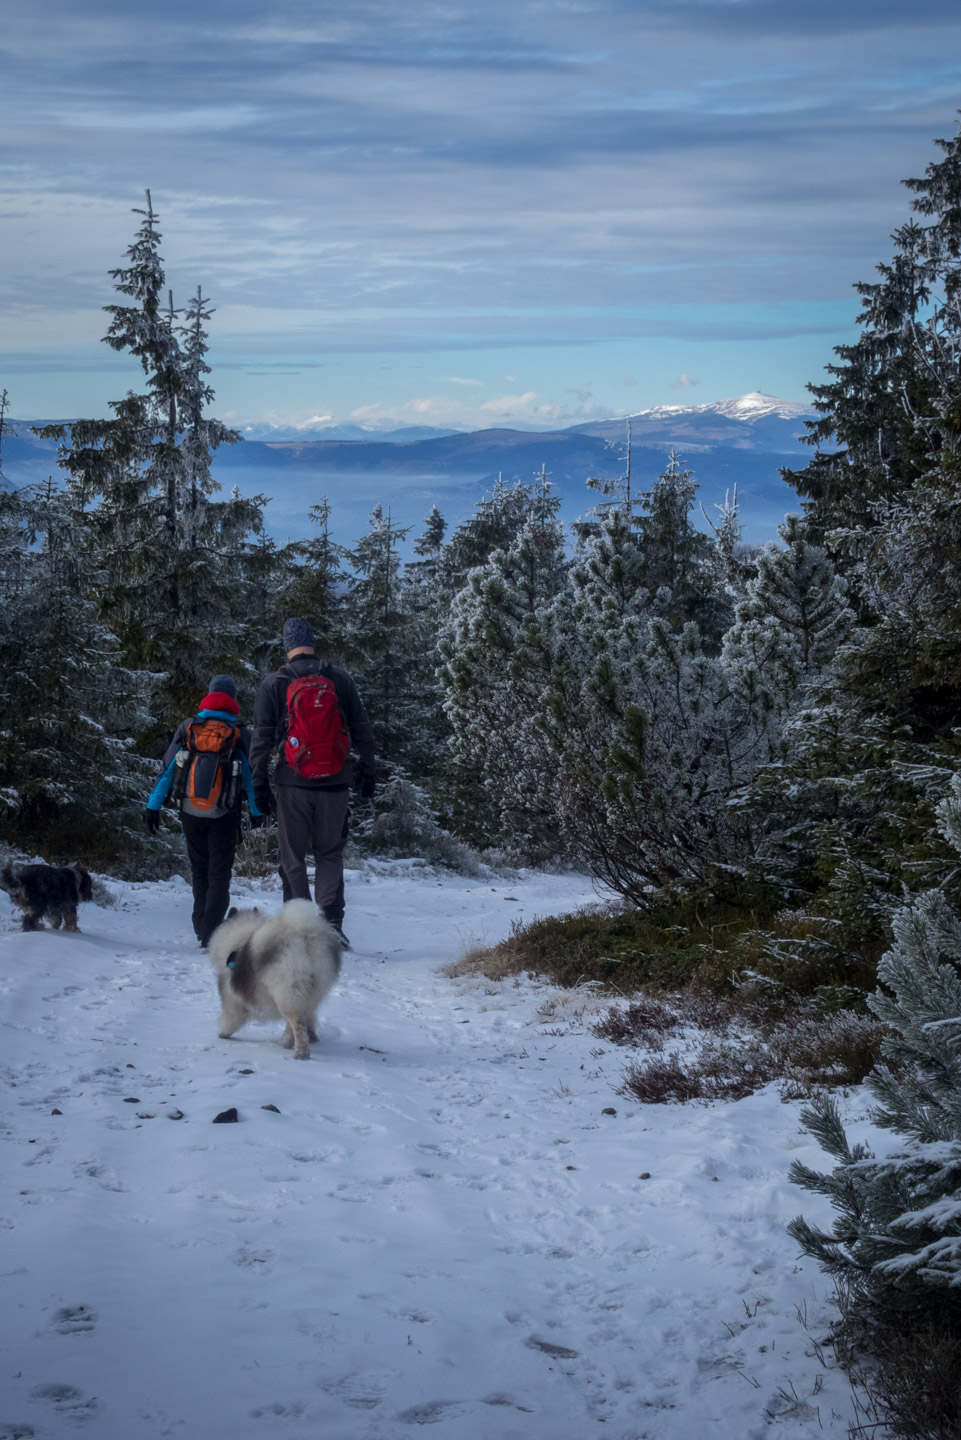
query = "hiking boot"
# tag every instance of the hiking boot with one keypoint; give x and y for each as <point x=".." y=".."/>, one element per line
<point x="344" y="942"/>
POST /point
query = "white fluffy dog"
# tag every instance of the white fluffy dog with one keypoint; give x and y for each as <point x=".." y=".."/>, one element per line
<point x="272" y="967"/>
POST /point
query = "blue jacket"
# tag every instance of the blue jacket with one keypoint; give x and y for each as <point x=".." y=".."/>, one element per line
<point x="162" y="788"/>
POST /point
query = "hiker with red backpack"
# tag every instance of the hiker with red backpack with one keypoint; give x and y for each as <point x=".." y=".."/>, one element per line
<point x="312" y="711"/>
<point x="206" y="771"/>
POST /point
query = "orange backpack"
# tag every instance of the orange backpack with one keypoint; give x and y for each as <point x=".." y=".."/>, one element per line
<point x="206" y="778"/>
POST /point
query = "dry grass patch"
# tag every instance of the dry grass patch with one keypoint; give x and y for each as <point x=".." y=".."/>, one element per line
<point x="741" y="1051"/>
<point x="482" y="961"/>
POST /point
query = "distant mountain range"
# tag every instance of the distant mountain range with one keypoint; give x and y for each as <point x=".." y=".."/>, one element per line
<point x="312" y="431"/>
<point x="745" y="420"/>
<point x="740" y="442"/>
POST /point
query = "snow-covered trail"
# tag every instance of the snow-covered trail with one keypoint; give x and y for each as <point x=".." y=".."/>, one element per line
<point x="441" y="1226"/>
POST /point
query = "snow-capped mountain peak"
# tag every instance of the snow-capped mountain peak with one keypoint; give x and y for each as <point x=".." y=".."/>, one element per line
<point x="746" y="408"/>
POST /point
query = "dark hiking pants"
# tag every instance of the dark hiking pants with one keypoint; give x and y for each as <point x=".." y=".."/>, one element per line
<point x="313" y="822"/>
<point x="210" y="848"/>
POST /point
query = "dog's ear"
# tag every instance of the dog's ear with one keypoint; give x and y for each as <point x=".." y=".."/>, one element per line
<point x="232" y="912"/>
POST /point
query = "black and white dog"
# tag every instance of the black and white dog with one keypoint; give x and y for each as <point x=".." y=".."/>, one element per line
<point x="54" y="891"/>
<point x="275" y="967"/>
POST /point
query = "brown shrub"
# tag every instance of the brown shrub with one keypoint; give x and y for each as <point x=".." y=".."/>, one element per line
<point x="827" y="1049"/>
<point x="637" y="1023"/>
<point x="655" y="1082"/>
<point x="809" y="1052"/>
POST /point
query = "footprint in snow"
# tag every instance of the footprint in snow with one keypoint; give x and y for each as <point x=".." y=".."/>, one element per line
<point x="68" y="1400"/>
<point x="506" y="1401"/>
<point x="431" y="1412"/>
<point x="557" y="1352"/>
<point x="360" y="1392"/>
<point x="252" y="1260"/>
<point x="73" y="1320"/>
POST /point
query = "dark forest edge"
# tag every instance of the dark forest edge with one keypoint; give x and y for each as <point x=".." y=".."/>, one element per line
<point x="756" y="748"/>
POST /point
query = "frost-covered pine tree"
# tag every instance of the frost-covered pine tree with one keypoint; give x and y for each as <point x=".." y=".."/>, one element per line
<point x="427" y="599"/>
<point x="892" y="400"/>
<point x="494" y="671"/>
<point x="654" y="733"/>
<point x="495" y="525"/>
<point x="677" y="557"/>
<point x="69" y="773"/>
<point x="312" y="577"/>
<point x="375" y="622"/>
<point x="786" y="630"/>
<point x="795" y="586"/>
<point x="5" y="426"/>
<point x="584" y="644"/>
<point x="872" y="757"/>
<point x="895" y="1247"/>
<point x="603" y="721"/>
<point x="169" y="559"/>
<point x="688" y="743"/>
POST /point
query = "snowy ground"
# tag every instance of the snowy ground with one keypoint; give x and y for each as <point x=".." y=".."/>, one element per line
<point x="441" y="1227"/>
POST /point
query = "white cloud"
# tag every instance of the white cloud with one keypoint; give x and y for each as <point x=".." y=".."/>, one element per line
<point x="526" y="409"/>
<point x="684" y="381"/>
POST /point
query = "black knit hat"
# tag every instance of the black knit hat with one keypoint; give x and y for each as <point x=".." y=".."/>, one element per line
<point x="223" y="685"/>
<point x="297" y="633"/>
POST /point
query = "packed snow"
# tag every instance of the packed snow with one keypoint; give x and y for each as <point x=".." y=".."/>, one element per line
<point x="449" y="1217"/>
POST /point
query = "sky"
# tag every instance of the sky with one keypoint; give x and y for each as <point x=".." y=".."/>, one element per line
<point x="459" y="214"/>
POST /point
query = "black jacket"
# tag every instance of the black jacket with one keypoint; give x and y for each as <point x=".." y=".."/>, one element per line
<point x="270" y="725"/>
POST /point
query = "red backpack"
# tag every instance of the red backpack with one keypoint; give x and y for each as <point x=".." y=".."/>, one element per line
<point x="317" y="743"/>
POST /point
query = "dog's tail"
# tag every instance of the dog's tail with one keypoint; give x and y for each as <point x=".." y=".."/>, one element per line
<point x="9" y="879"/>
<point x="84" y="883"/>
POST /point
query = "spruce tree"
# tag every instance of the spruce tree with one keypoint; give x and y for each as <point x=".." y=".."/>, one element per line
<point x="314" y="584"/>
<point x="495" y="525"/>
<point x="168" y="558"/>
<point x="5" y="426"/>
<point x="895" y="1247"/>
<point x="427" y="600"/>
<point x="69" y="774"/>
<point x="874" y="745"/>
<point x="375" y="622"/>
<point x="653" y="734"/>
<point x="494" y="676"/>
<point x="890" y="412"/>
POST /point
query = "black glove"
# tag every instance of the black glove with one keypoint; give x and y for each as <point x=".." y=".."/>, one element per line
<point x="151" y="818"/>
<point x="366" y="785"/>
<point x="256" y="821"/>
<point x="264" y="798"/>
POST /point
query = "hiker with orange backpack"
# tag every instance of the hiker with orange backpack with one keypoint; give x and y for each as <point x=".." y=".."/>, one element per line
<point x="206" y="771"/>
<point x="313" y="712"/>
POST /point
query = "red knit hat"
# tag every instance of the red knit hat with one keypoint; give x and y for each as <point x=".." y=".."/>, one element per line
<point x="220" y="700"/>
